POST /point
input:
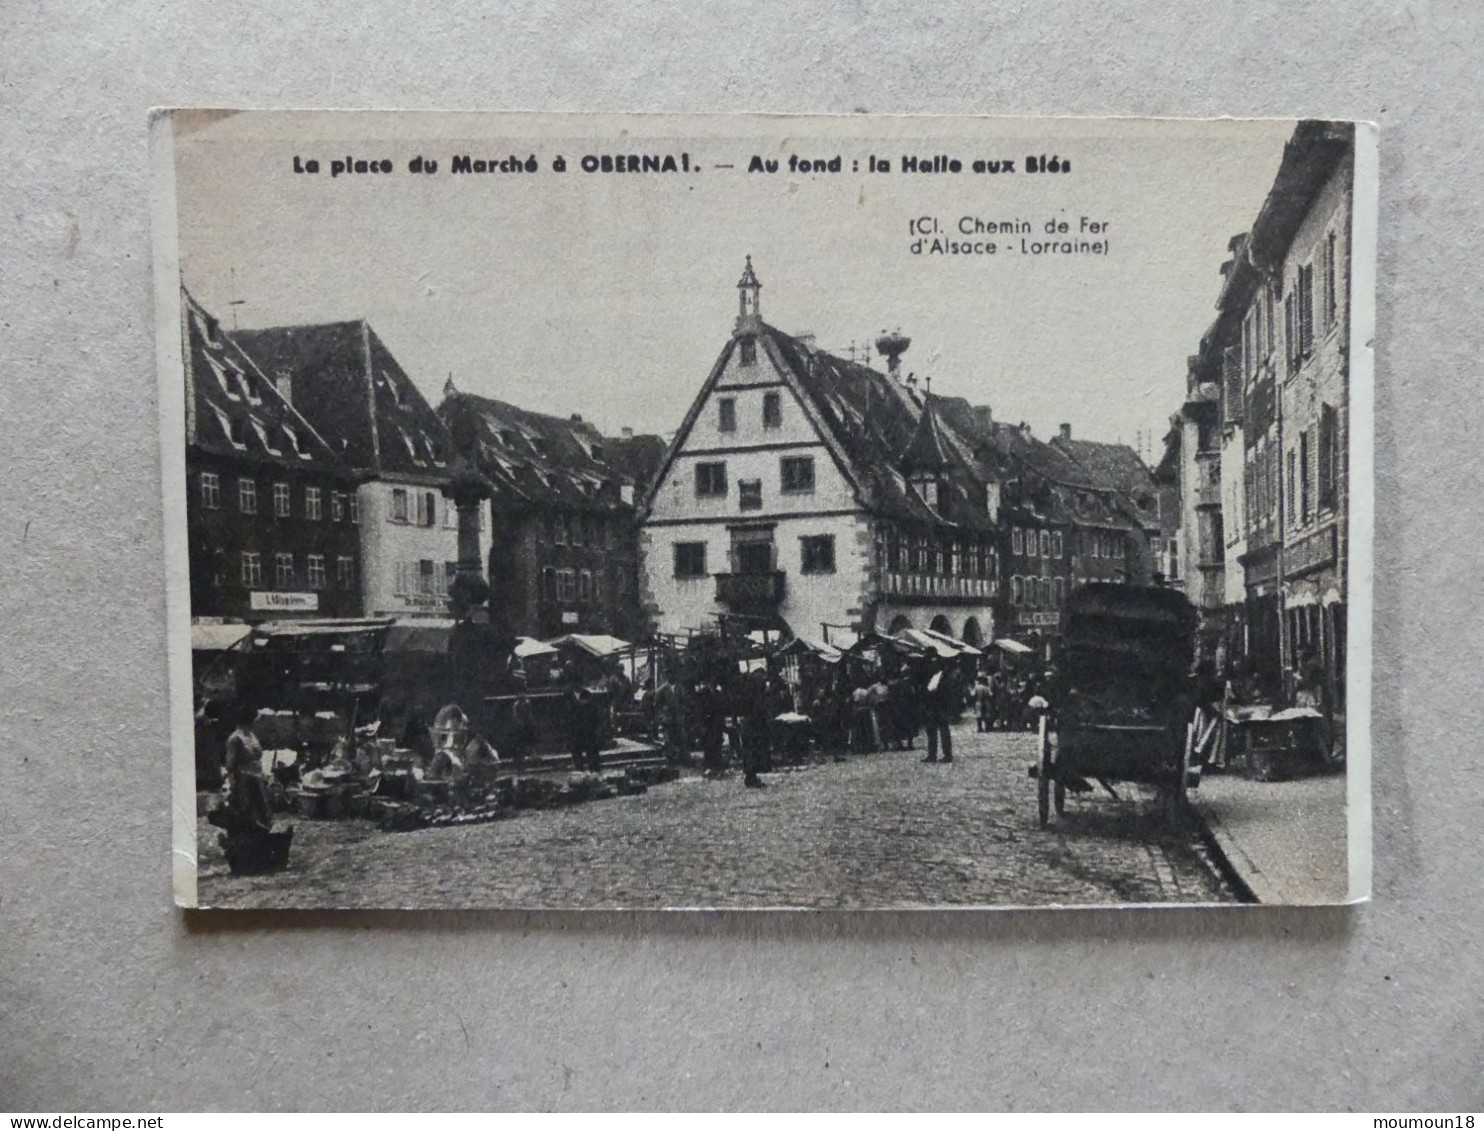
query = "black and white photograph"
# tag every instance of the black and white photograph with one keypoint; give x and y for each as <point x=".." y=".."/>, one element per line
<point x="678" y="512"/>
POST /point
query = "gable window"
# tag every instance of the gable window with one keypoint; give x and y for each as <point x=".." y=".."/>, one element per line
<point x="1031" y="544"/>
<point x="797" y="474"/>
<point x="711" y="480"/>
<point x="749" y="350"/>
<point x="690" y="559"/>
<point x="281" y="500"/>
<point x="750" y="494"/>
<point x="252" y="568"/>
<point x="817" y="553"/>
<point x="399" y="504"/>
<point x="211" y="490"/>
<point x="247" y="496"/>
<point x="1017" y="540"/>
<point x="316" y="571"/>
<point x="1056" y="545"/>
<point x="1045" y="543"/>
<point x="283" y="570"/>
<point x="345" y="572"/>
<point x="337" y="506"/>
<point x="772" y="410"/>
<point x="727" y="414"/>
<point x="313" y="506"/>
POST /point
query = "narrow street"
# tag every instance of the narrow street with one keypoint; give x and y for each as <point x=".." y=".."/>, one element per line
<point x="882" y="830"/>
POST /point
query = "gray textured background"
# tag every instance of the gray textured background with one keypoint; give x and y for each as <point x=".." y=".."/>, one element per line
<point x="110" y="999"/>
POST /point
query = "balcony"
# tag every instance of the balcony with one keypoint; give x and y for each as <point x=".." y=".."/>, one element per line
<point x="935" y="588"/>
<point x="759" y="593"/>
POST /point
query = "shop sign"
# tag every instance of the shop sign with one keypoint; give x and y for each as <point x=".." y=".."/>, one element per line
<point x="271" y="602"/>
<point x="1038" y="620"/>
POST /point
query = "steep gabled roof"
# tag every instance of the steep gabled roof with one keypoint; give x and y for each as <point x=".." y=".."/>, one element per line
<point x="1116" y="465"/>
<point x="347" y="383"/>
<point x="637" y="458"/>
<point x="874" y="421"/>
<point x="551" y="462"/>
<point x="234" y="410"/>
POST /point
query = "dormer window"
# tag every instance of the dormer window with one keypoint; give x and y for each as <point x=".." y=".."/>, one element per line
<point x="262" y="430"/>
<point x="244" y="382"/>
<point x="284" y="383"/>
<point x="411" y="447"/>
<point x="391" y="387"/>
<point x="597" y="452"/>
<point x="293" y="437"/>
<point x="219" y="371"/>
<point x="431" y="448"/>
<point x="507" y="437"/>
<point x="749" y="350"/>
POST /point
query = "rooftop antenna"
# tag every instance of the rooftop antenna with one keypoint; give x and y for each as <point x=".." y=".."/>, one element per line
<point x="236" y="302"/>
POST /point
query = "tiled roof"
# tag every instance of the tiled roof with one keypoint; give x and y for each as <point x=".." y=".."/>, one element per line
<point x="347" y="383"/>
<point x="1116" y="465"/>
<point x="234" y="410"/>
<point x="536" y="460"/>
<point x="874" y="420"/>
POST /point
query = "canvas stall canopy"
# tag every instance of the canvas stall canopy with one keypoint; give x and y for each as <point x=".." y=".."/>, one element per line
<point x="962" y="648"/>
<point x="596" y="645"/>
<point x="935" y="643"/>
<point x="218" y="637"/>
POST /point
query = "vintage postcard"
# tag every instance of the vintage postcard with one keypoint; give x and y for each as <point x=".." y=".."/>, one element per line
<point x="572" y="511"/>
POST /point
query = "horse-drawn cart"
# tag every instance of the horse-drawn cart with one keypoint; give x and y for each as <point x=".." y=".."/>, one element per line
<point x="1121" y="702"/>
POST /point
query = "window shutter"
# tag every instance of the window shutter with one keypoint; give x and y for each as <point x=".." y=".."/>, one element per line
<point x="1231" y="386"/>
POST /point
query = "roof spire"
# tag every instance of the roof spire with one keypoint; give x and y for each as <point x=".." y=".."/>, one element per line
<point x="927" y="450"/>
<point x="749" y="310"/>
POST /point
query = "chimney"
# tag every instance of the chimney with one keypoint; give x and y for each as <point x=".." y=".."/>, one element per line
<point x="626" y="432"/>
<point x="1025" y="430"/>
<point x="577" y="418"/>
<point x="1066" y="431"/>
<point x="985" y="417"/>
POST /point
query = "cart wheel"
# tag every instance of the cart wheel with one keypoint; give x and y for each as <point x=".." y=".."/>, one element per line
<point x="1043" y="777"/>
<point x="1180" y="794"/>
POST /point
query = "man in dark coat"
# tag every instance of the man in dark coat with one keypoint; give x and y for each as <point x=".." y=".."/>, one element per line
<point x="940" y="701"/>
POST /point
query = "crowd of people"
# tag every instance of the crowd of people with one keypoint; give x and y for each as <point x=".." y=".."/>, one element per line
<point x="769" y="715"/>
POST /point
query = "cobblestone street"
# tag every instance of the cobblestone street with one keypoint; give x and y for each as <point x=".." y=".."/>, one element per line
<point x="882" y="830"/>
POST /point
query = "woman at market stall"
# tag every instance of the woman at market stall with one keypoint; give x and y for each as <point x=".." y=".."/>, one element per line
<point x="247" y="787"/>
